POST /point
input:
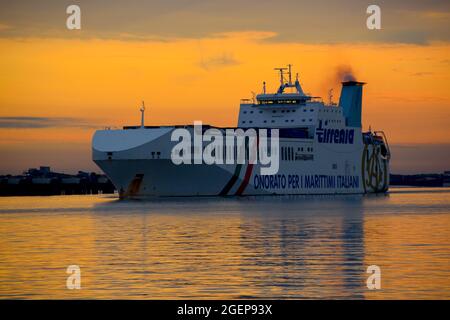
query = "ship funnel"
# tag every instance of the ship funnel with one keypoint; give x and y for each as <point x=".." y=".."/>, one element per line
<point x="350" y="101"/>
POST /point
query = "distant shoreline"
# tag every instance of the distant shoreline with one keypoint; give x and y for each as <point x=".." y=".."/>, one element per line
<point x="421" y="180"/>
<point x="44" y="182"/>
<point x="86" y="184"/>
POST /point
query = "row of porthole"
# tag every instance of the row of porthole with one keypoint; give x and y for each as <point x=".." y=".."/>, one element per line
<point x="158" y="154"/>
<point x="273" y="121"/>
<point x="287" y="153"/>
<point x="282" y="111"/>
<point x="304" y="110"/>
<point x="332" y="121"/>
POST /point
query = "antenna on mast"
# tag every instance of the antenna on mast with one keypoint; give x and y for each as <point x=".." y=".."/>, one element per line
<point x="142" y="109"/>
<point x="281" y="70"/>
<point x="290" y="74"/>
<point x="330" y="96"/>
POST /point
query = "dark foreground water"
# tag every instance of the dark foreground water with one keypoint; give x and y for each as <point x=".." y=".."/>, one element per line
<point x="274" y="247"/>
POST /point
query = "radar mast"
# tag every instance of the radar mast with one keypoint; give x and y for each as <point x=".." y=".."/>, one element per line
<point x="142" y="109"/>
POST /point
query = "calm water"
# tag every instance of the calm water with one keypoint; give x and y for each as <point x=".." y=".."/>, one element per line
<point x="275" y="247"/>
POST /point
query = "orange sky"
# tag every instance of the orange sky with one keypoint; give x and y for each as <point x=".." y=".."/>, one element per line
<point x="80" y="85"/>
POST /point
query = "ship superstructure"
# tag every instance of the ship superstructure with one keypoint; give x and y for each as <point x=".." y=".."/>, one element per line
<point x="322" y="150"/>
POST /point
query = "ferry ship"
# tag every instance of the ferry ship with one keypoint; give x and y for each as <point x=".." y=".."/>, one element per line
<point x="322" y="150"/>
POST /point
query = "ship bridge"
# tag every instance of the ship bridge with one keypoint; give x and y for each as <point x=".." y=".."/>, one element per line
<point x="289" y="106"/>
<point x="281" y="96"/>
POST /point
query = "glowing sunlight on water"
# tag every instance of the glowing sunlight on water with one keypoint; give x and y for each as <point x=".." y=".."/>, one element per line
<point x="250" y="247"/>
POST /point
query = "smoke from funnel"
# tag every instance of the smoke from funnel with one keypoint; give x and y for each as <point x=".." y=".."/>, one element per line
<point x="334" y="78"/>
<point x="344" y="73"/>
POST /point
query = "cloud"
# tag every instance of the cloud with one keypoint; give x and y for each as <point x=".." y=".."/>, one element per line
<point x="5" y="27"/>
<point x="331" y="21"/>
<point x="223" y="60"/>
<point x="42" y="122"/>
<point x="421" y="74"/>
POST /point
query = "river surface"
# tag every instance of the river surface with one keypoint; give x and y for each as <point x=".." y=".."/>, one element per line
<point x="294" y="247"/>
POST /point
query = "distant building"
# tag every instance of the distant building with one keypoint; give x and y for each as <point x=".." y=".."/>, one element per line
<point x="43" y="181"/>
<point x="44" y="170"/>
<point x="446" y="179"/>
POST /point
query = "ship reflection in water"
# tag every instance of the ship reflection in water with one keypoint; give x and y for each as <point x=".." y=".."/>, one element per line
<point x="254" y="247"/>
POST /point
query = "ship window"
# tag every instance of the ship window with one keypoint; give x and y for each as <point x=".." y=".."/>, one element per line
<point x="311" y="110"/>
<point x="251" y="111"/>
<point x="326" y="122"/>
<point x="260" y="111"/>
<point x="273" y="121"/>
<point x="304" y="110"/>
<point x="245" y="112"/>
<point x="310" y="119"/>
<point x="265" y="121"/>
<point x="250" y="121"/>
<point x="292" y="120"/>
<point x="243" y="121"/>
<point x="274" y="111"/>
<point x="286" y="120"/>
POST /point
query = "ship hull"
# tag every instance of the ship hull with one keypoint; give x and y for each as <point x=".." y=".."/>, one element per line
<point x="139" y="164"/>
<point x="161" y="178"/>
<point x="137" y="178"/>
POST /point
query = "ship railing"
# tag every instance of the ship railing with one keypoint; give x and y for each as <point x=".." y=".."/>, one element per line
<point x="382" y="135"/>
<point x="247" y="101"/>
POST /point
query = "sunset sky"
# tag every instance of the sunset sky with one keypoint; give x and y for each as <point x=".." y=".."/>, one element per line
<point x="194" y="60"/>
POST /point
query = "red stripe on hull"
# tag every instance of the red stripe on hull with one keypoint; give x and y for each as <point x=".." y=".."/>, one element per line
<point x="244" y="183"/>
